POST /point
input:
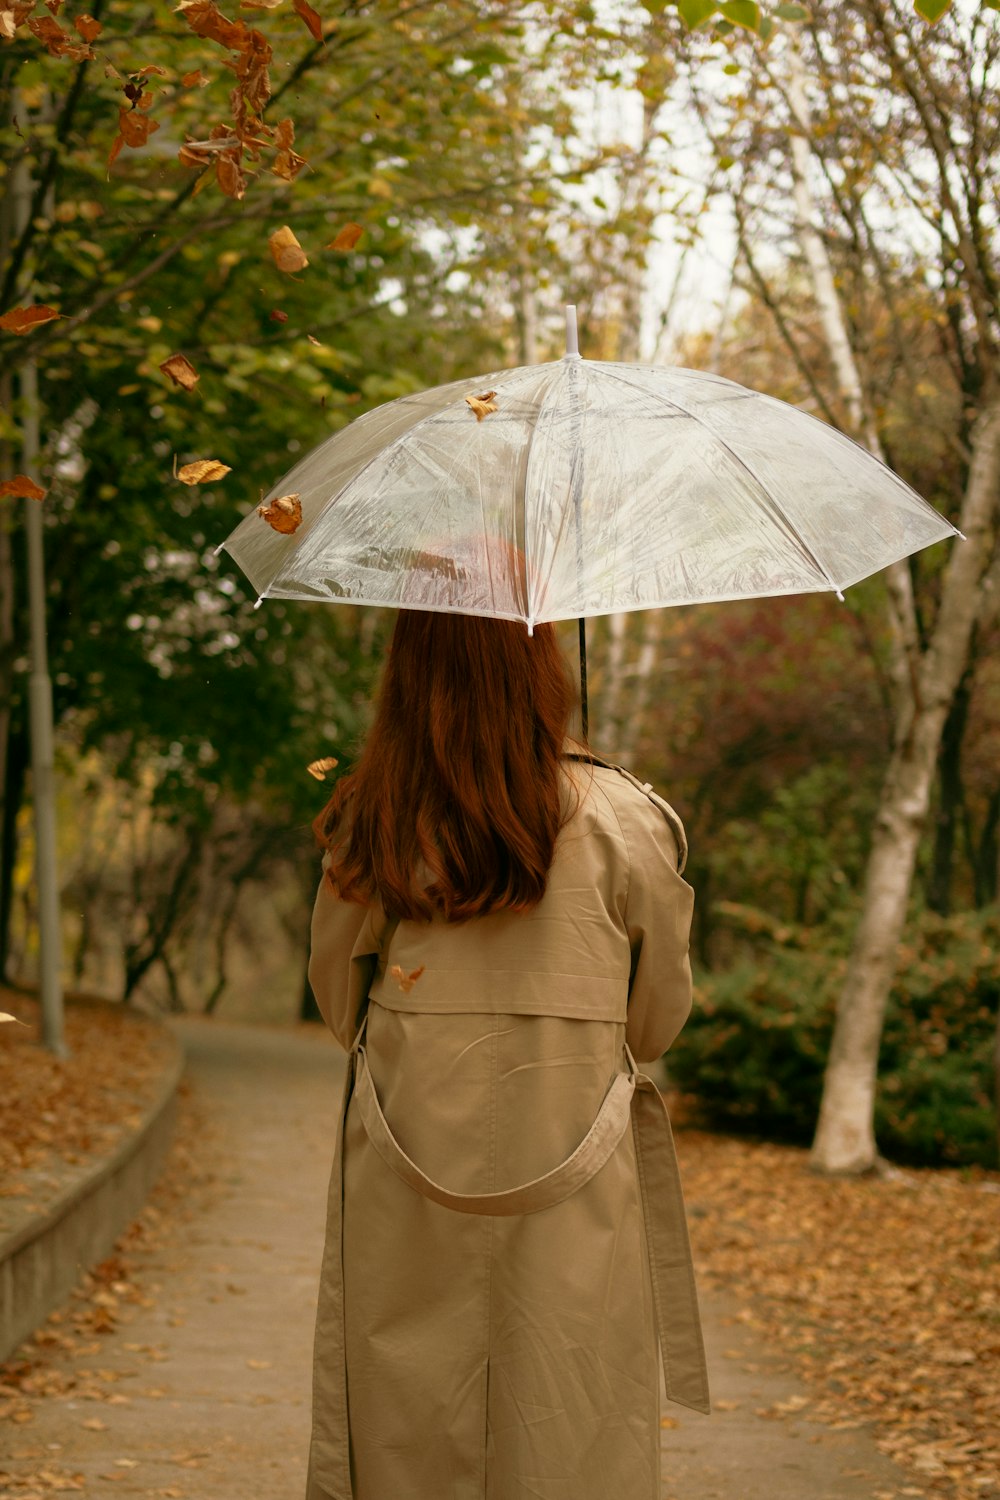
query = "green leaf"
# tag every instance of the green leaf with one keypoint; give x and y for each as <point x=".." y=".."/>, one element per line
<point x="789" y="12"/>
<point x="694" y="12"/>
<point x="991" y="4"/>
<point x="745" y="13"/>
<point x="931" y="10"/>
<point x="731" y="69"/>
<point x="766" y="28"/>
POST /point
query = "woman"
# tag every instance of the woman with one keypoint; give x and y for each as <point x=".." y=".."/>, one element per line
<point x="500" y="926"/>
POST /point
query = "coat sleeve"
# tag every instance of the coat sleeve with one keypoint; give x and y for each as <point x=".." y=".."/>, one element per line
<point x="343" y="954"/>
<point x="658" y="910"/>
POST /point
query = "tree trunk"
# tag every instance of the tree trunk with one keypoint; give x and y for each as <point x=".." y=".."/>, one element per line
<point x="13" y="796"/>
<point x="952" y="798"/>
<point x="845" y="1135"/>
<point x="986" y="870"/>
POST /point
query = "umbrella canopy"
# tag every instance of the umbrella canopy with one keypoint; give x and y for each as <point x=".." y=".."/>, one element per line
<point x="608" y="487"/>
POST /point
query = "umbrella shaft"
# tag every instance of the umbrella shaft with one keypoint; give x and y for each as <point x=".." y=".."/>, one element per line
<point x="584" y="717"/>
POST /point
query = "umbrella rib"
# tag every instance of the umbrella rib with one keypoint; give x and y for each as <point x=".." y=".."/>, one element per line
<point x="304" y="555"/>
<point x="781" y="519"/>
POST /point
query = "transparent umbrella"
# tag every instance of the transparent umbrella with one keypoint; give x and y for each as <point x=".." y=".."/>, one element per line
<point x="608" y="487"/>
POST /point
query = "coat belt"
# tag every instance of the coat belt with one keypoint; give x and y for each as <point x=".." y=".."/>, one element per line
<point x="631" y="1096"/>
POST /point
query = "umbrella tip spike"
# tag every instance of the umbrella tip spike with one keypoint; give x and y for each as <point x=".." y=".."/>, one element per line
<point x="961" y="535"/>
<point x="530" y="622"/>
<point x="840" y="596"/>
<point x="260" y="601"/>
<point x="218" y="549"/>
<point x="572" y="338"/>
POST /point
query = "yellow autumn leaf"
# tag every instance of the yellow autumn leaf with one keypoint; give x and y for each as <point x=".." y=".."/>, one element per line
<point x="319" y="768"/>
<point x="286" y="251"/>
<point x="482" y="405"/>
<point x="181" y="371"/>
<point x="202" y="471"/>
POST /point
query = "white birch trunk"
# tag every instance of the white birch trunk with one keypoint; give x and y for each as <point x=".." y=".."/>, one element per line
<point x="845" y="1137"/>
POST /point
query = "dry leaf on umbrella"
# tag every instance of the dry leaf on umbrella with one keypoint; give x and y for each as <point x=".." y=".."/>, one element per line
<point x="312" y="20"/>
<point x="283" y="514"/>
<point x="202" y="471"/>
<point x="347" y="238"/>
<point x="287" y="252"/>
<point x="482" y="405"/>
<point x="24" y="319"/>
<point x="319" y="768"/>
<point x="406" y="981"/>
<point x="21" y="487"/>
<point x="181" y="371"/>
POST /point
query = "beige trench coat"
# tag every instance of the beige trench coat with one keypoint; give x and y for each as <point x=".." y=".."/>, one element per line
<point x="506" y="1248"/>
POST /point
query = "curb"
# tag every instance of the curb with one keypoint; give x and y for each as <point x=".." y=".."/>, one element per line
<point x="42" y="1260"/>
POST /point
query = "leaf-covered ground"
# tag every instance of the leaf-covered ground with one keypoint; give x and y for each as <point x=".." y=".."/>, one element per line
<point x="884" y="1291"/>
<point x="57" y="1115"/>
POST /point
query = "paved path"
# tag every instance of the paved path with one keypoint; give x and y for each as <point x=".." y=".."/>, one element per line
<point x="214" y="1364"/>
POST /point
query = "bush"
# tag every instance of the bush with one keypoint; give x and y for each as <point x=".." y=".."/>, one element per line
<point x="754" y="1050"/>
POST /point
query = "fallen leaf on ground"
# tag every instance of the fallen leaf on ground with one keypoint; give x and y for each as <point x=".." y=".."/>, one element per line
<point x="482" y="405"/>
<point x="181" y="371"/>
<point x="283" y="514"/>
<point x="347" y="238"/>
<point x="202" y="471"/>
<point x="319" y="768"/>
<point x="286" y="251"/>
<point x="24" y="488"/>
<point x="24" y="319"/>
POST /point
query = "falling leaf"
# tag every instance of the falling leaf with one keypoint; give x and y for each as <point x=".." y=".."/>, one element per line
<point x="406" y="981"/>
<point x="202" y="471"/>
<point x="287" y="163"/>
<point x="87" y="27"/>
<point x="195" y="80"/>
<point x="5" y="1016"/>
<point x="24" y="319"/>
<point x="319" y="768"/>
<point x="229" y="175"/>
<point x="8" y="25"/>
<point x="181" y="371"/>
<point x="482" y="405"/>
<point x="58" y="43"/>
<point x="287" y="252"/>
<point x="347" y="238"/>
<point x="135" y="128"/>
<point x="314" y="341"/>
<point x="284" y="514"/>
<point x="22" y="487"/>
<point x="277" y="316"/>
<point x="312" y="20"/>
<point x="205" y="20"/>
<point x="258" y="1364"/>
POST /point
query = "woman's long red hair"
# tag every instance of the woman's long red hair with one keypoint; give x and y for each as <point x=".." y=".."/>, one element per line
<point x="456" y="802"/>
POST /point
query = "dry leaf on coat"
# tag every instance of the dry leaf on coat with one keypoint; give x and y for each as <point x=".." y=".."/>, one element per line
<point x="404" y="980"/>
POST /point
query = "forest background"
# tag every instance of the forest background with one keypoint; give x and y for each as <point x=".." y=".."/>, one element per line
<point x="803" y="200"/>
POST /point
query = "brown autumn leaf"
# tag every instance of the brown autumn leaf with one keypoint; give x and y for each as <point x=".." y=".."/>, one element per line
<point x="181" y="371"/>
<point x="87" y="27"/>
<point x="287" y="252"/>
<point x="58" y="43"/>
<point x="319" y="768"/>
<point x="260" y="4"/>
<point x="205" y="20"/>
<point x="24" y="319"/>
<point x="8" y="23"/>
<point x="202" y="471"/>
<point x="315" y="341"/>
<point x="347" y="238"/>
<point x="482" y="405"/>
<point x="283" y="514"/>
<point x="287" y="163"/>
<point x="406" y="981"/>
<point x="277" y="316"/>
<point x="135" y="128"/>
<point x="229" y="175"/>
<point x="22" y="487"/>
<point x="310" y="17"/>
<point x="193" y="80"/>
